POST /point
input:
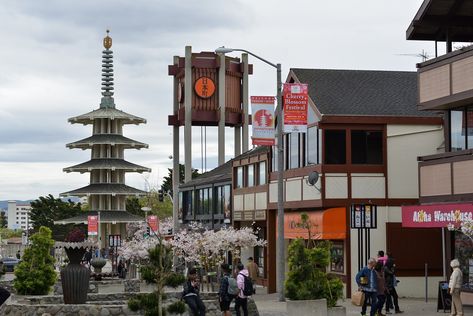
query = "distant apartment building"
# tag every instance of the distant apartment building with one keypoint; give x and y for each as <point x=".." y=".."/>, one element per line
<point x="18" y="215"/>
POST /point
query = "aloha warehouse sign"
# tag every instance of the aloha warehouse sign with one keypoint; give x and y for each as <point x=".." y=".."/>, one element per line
<point x="439" y="215"/>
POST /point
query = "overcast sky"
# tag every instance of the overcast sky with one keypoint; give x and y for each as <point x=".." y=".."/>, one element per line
<point x="50" y="69"/>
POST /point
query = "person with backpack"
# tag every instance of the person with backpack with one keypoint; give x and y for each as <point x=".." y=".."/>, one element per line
<point x="228" y="290"/>
<point x="244" y="284"/>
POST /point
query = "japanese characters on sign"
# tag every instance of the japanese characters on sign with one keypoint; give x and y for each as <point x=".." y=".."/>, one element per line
<point x="204" y="87"/>
<point x="296" y="98"/>
<point x="153" y="223"/>
<point x="262" y="109"/>
<point x="92" y="225"/>
<point x="363" y="216"/>
<point x="440" y="215"/>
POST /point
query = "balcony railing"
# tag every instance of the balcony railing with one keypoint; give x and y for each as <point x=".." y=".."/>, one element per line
<point x="446" y="81"/>
<point x="446" y="177"/>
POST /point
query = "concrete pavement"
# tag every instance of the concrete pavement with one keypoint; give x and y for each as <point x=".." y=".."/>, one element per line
<point x="268" y="305"/>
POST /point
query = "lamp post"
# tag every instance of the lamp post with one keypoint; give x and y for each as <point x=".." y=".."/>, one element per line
<point x="280" y="257"/>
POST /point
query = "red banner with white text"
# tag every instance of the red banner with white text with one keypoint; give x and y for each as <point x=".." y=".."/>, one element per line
<point x="296" y="99"/>
<point x="439" y="215"/>
<point x="92" y="225"/>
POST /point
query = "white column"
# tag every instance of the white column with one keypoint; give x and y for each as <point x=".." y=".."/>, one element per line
<point x="244" y="83"/>
<point x="221" y="103"/>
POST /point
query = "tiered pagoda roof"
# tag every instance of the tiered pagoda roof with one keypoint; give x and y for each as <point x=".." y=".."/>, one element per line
<point x="107" y="190"/>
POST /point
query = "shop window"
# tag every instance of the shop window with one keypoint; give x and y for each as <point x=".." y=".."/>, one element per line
<point x="337" y="257"/>
<point x="335" y="147"/>
<point x="464" y="253"/>
<point x="250" y="175"/>
<point x="262" y="173"/>
<point x="313" y="145"/>
<point x="239" y="178"/>
<point x="294" y="150"/>
<point x="367" y="147"/>
<point x="457" y="130"/>
<point x="227" y="203"/>
<point x="188" y="203"/>
<point x="218" y="200"/>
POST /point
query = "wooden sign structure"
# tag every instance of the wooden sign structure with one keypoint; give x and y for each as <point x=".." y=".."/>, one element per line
<point x="444" y="299"/>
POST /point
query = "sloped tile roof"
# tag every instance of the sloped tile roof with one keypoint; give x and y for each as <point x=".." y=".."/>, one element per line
<point x="363" y="92"/>
<point x="109" y="113"/>
<point x="105" y="189"/>
<point x="107" y="163"/>
<point x="106" y="139"/>
<point x="105" y="217"/>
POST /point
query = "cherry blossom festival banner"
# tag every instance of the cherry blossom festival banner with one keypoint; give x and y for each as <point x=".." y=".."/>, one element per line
<point x="296" y="98"/>
<point x="92" y="225"/>
<point x="262" y="109"/>
<point x="439" y="215"/>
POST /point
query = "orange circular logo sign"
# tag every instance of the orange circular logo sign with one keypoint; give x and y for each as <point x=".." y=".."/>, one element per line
<point x="204" y="87"/>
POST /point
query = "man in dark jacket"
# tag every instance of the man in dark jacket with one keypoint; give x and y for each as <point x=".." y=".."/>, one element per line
<point x="223" y="297"/>
<point x="368" y="283"/>
<point x="190" y="295"/>
<point x="391" y="284"/>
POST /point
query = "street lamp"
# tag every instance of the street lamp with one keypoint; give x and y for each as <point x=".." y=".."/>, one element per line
<point x="280" y="258"/>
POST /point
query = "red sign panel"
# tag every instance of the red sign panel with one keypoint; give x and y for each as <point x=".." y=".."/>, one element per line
<point x="296" y="98"/>
<point x="439" y="215"/>
<point x="92" y="225"/>
<point x="153" y="223"/>
<point x="262" y="109"/>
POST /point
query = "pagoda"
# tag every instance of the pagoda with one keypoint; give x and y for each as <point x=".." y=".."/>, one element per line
<point x="107" y="191"/>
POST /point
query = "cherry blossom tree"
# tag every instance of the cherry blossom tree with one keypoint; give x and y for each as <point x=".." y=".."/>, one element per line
<point x="466" y="227"/>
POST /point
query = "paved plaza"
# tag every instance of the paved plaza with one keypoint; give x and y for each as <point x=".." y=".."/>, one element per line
<point x="268" y="305"/>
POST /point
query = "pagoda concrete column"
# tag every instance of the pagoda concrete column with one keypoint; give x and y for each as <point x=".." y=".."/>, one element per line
<point x="244" y="58"/>
<point x="188" y="115"/>
<point x="237" y="140"/>
<point x="175" y="158"/>
<point x="221" y="103"/>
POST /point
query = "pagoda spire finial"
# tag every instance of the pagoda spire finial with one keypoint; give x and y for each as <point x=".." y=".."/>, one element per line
<point x="107" y="74"/>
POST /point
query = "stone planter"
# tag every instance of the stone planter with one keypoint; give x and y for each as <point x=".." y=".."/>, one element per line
<point x="307" y="307"/>
<point x="98" y="264"/>
<point x="337" y="311"/>
<point x="75" y="277"/>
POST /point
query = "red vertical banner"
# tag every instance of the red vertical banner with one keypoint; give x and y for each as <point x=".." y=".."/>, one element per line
<point x="92" y="225"/>
<point x="262" y="109"/>
<point x="295" y="99"/>
<point x="153" y="223"/>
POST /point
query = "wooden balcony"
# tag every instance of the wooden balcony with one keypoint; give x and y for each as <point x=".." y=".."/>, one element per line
<point x="446" y="177"/>
<point x="447" y="81"/>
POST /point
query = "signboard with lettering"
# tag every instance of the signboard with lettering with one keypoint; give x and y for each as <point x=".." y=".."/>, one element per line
<point x="262" y="109"/>
<point x="363" y="216"/>
<point x="92" y="225"/>
<point x="204" y="87"/>
<point x="153" y="223"/>
<point x="296" y="100"/>
<point x="440" y="215"/>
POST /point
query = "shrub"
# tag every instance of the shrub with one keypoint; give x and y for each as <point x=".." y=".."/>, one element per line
<point x="35" y="274"/>
<point x="178" y="307"/>
<point x="307" y="277"/>
<point x="175" y="279"/>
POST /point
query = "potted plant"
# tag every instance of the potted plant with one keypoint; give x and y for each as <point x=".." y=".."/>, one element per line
<point x="309" y="287"/>
<point x="75" y="277"/>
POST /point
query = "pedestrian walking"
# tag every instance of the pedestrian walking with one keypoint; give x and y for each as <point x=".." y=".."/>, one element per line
<point x="253" y="269"/>
<point x="381" y="288"/>
<point x="224" y="297"/>
<point x="241" y="301"/>
<point x="382" y="257"/>
<point x="392" y="299"/>
<point x="191" y="294"/>
<point x="454" y="286"/>
<point x="367" y="282"/>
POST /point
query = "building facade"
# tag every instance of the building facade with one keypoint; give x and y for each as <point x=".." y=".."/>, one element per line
<point x="18" y="216"/>
<point x="364" y="135"/>
<point x="446" y="85"/>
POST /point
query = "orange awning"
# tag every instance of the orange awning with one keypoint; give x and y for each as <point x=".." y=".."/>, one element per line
<point x="325" y="224"/>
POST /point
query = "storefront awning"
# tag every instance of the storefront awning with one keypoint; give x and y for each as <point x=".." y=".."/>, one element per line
<point x="439" y="215"/>
<point x="325" y="224"/>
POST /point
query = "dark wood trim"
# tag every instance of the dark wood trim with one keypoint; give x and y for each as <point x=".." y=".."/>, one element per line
<point x="297" y="204"/>
<point x="354" y="119"/>
<point x="451" y="156"/>
<point x="385" y="161"/>
<point x="297" y="172"/>
<point x="353" y="168"/>
<point x="254" y="189"/>
<point x="271" y="251"/>
<point x="457" y="198"/>
<point x="448" y="102"/>
<point x="445" y="59"/>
